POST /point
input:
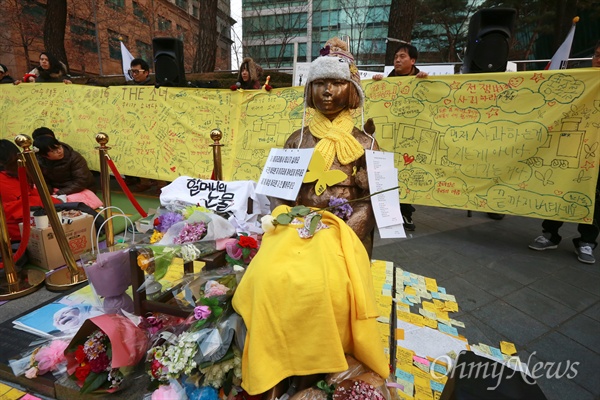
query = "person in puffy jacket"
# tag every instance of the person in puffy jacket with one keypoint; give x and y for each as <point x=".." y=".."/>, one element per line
<point x="65" y="170"/>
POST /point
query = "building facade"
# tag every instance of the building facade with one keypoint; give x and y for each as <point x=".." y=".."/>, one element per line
<point x="95" y="28"/>
<point x="273" y="29"/>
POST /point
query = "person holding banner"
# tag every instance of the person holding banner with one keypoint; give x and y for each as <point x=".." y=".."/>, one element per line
<point x="587" y="241"/>
<point x="405" y="58"/>
<point x="249" y="75"/>
<point x="140" y="72"/>
<point x="307" y="299"/>
<point x="50" y="70"/>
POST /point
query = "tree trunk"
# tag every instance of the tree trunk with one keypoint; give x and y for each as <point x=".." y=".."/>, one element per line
<point x="206" y="56"/>
<point x="402" y="20"/>
<point x="54" y="29"/>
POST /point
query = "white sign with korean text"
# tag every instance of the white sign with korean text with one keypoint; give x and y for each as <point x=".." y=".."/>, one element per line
<point x="386" y="206"/>
<point x="283" y="173"/>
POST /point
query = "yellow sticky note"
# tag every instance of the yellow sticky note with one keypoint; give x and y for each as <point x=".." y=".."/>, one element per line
<point x="508" y="348"/>
<point x="429" y="306"/>
<point x="416" y="319"/>
<point x="431" y="323"/>
<point x="404" y="358"/>
<point x="399" y="334"/>
<point x="439" y="304"/>
<point x="443" y="315"/>
<point x="410" y="291"/>
<point x="431" y="284"/>
<point x="451" y="306"/>
<point x="404" y="316"/>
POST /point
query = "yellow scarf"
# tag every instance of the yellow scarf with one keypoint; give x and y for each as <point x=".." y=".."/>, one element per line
<point x="336" y="138"/>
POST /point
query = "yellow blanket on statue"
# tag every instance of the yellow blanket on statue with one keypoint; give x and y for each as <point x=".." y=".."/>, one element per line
<point x="306" y="303"/>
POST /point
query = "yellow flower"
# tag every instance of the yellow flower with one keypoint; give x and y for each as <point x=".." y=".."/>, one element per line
<point x="156" y="236"/>
<point x="143" y="261"/>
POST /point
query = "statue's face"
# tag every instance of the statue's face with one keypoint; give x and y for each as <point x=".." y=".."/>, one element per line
<point x="331" y="96"/>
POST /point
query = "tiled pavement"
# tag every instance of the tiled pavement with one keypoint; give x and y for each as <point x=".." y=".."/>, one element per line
<point x="546" y="302"/>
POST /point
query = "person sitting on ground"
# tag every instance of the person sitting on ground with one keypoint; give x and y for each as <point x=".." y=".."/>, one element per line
<point x="249" y="75"/>
<point x="139" y="71"/>
<point x="10" y="190"/>
<point x="316" y="303"/>
<point x="65" y="171"/>
<point x="50" y="70"/>
<point x="5" y="77"/>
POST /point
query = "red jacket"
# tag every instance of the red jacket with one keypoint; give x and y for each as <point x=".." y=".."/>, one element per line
<point x="10" y="190"/>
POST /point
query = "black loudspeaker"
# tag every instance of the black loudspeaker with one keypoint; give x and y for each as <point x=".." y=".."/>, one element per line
<point x="168" y="61"/>
<point x="490" y="30"/>
<point x="478" y="378"/>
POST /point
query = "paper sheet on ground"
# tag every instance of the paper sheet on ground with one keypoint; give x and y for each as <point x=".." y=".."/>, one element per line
<point x="427" y="342"/>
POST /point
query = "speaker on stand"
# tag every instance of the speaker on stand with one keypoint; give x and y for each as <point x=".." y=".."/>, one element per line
<point x="168" y="61"/>
<point x="490" y="30"/>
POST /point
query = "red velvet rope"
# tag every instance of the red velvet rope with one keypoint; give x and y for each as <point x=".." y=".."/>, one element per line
<point x="123" y="185"/>
<point x="26" y="217"/>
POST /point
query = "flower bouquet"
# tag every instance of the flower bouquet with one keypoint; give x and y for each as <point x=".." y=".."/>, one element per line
<point x="241" y="250"/>
<point x="189" y="224"/>
<point x="103" y="352"/>
<point x="205" y="355"/>
<point x="48" y="357"/>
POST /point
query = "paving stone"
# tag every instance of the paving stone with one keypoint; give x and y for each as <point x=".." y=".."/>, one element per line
<point x="514" y="325"/>
<point x="478" y="332"/>
<point x="468" y="296"/>
<point x="559" y="349"/>
<point x="584" y="330"/>
<point x="565" y="293"/>
<point x="588" y="281"/>
<point x="593" y="311"/>
<point x="492" y="281"/>
<point x="561" y="389"/>
<point x="523" y="270"/>
<point x="539" y="306"/>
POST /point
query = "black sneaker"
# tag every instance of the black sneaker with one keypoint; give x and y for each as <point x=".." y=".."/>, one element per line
<point x="408" y="223"/>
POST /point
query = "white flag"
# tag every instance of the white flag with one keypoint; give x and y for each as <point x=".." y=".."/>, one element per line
<point x="127" y="57"/>
<point x="561" y="57"/>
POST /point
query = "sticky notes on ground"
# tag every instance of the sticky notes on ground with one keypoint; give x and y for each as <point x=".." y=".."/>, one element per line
<point x="508" y="348"/>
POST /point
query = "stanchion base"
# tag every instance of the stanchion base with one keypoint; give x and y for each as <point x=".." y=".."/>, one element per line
<point x="63" y="279"/>
<point x="28" y="281"/>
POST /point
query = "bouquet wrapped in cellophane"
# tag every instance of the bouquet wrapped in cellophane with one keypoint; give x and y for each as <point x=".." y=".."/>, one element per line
<point x="103" y="352"/>
<point x="206" y="356"/>
<point x="43" y="357"/>
<point x="181" y="224"/>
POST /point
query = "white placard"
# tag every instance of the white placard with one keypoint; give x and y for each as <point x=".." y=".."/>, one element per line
<point x="301" y="73"/>
<point x="386" y="206"/>
<point x="283" y="173"/>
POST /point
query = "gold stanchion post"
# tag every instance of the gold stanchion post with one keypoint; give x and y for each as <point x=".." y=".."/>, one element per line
<point x="102" y="139"/>
<point x="64" y="278"/>
<point x="18" y="284"/>
<point x="216" y="135"/>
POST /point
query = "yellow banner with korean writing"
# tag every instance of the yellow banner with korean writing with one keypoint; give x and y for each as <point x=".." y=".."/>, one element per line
<point x="522" y="143"/>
